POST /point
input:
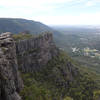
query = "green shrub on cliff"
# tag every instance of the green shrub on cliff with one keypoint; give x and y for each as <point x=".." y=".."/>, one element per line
<point x="20" y="36"/>
<point x="68" y="98"/>
<point x="96" y="95"/>
<point x="33" y="90"/>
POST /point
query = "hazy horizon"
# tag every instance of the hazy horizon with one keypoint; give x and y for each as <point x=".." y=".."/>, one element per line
<point x="53" y="12"/>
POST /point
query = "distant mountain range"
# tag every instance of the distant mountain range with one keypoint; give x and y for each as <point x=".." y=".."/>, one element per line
<point x="15" y="25"/>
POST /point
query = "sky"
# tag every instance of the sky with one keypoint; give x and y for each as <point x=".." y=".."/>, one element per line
<point x="53" y="12"/>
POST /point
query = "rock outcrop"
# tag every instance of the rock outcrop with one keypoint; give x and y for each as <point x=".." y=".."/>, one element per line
<point x="10" y="80"/>
<point x="34" y="53"/>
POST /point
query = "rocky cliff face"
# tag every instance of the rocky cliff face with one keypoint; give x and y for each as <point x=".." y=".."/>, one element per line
<point x="10" y="80"/>
<point x="36" y="52"/>
<point x="40" y="57"/>
<point x="45" y="69"/>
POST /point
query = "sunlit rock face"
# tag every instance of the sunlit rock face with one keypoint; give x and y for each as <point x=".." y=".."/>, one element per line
<point x="10" y="80"/>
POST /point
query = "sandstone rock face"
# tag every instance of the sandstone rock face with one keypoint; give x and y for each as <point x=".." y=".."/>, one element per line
<point x="10" y="80"/>
<point x="34" y="53"/>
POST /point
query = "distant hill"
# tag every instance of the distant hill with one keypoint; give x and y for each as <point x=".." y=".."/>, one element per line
<point x="19" y="25"/>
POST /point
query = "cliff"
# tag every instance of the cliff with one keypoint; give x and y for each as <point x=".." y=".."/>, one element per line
<point x="47" y="72"/>
<point x="10" y="80"/>
<point x="34" y="53"/>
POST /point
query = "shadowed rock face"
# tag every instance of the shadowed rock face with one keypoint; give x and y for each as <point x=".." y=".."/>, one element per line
<point x="10" y="81"/>
<point x="34" y="53"/>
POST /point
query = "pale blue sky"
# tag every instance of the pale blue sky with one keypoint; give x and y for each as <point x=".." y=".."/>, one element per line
<point x="70" y="12"/>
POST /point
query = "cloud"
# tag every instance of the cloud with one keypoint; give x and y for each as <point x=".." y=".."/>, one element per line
<point x="34" y="3"/>
<point x="51" y="11"/>
<point x="34" y="7"/>
<point x="82" y="19"/>
<point x="30" y="2"/>
<point x="90" y="3"/>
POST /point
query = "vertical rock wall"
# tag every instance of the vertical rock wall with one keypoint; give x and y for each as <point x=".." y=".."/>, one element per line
<point x="34" y="53"/>
<point x="10" y="81"/>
